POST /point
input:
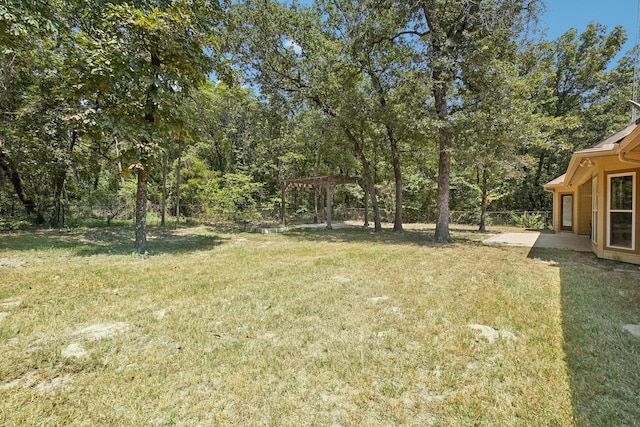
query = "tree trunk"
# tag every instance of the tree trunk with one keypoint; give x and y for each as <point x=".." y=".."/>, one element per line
<point x="141" y="207"/>
<point x="442" y="234"/>
<point x="370" y="184"/>
<point x="57" y="219"/>
<point x="397" y="173"/>
<point x="483" y="203"/>
<point x="58" y="189"/>
<point x="18" y="185"/>
<point x="395" y="155"/>
<point x="178" y="170"/>
<point x="366" y="170"/>
<point x="366" y="206"/>
<point x="377" y="222"/>
<point x="143" y="166"/>
<point x="165" y="173"/>
<point x="329" y="191"/>
<point x="315" y="189"/>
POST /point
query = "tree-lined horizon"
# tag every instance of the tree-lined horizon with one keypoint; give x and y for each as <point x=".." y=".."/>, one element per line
<point x="203" y="107"/>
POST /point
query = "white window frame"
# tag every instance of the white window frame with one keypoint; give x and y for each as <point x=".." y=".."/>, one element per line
<point x="594" y="209"/>
<point x="632" y="211"/>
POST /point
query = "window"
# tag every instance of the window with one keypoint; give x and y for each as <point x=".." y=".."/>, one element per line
<point x="621" y="211"/>
<point x="594" y="209"/>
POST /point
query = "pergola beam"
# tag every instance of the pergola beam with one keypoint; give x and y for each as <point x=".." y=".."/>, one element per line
<point x="328" y="182"/>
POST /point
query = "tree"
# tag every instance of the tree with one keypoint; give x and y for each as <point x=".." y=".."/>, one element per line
<point x="450" y="34"/>
<point x="496" y="125"/>
<point x="296" y="60"/>
<point x="578" y="100"/>
<point x="366" y="31"/>
<point x="142" y="60"/>
<point x="20" y="31"/>
<point x="39" y="141"/>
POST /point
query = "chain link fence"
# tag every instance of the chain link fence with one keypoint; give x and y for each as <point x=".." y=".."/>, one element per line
<point x="107" y="213"/>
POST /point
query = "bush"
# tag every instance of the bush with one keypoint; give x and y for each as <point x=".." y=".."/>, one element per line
<point x="528" y="220"/>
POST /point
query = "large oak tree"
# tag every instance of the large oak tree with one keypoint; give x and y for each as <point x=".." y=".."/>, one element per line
<point x="142" y="59"/>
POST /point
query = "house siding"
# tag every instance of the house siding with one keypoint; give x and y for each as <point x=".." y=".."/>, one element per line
<point x="632" y="256"/>
<point x="615" y="155"/>
<point x="582" y="220"/>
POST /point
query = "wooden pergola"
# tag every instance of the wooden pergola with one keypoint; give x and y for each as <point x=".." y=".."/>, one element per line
<point x="328" y="182"/>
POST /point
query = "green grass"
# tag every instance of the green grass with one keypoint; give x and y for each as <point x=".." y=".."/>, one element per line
<point x="311" y="327"/>
<point x="597" y="301"/>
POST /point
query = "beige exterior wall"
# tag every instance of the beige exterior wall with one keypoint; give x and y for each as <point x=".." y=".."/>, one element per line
<point x="606" y="167"/>
<point x="582" y="210"/>
<point x="557" y="207"/>
<point x="598" y="246"/>
<point x="582" y="214"/>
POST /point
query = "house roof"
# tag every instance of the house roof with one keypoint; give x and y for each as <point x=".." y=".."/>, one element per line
<point x="616" y="137"/>
<point x="619" y="143"/>
<point x="556" y="182"/>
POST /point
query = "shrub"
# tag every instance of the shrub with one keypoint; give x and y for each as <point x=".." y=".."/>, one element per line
<point x="528" y="220"/>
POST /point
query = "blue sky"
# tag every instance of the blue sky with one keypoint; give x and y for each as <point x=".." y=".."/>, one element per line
<point x="564" y="14"/>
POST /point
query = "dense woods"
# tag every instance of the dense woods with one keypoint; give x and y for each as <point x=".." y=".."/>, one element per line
<point x="200" y="108"/>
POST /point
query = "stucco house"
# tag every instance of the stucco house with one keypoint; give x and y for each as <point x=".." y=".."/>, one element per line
<point x="599" y="195"/>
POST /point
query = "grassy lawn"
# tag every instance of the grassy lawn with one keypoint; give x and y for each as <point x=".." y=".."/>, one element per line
<point x="311" y="327"/>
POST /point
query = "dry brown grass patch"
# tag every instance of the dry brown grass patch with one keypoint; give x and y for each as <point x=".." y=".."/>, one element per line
<point x="304" y="328"/>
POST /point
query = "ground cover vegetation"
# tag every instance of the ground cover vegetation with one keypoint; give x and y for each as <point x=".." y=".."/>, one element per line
<point x="311" y="327"/>
<point x="198" y="109"/>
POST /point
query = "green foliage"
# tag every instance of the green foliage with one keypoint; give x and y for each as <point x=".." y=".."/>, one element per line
<point x="578" y="98"/>
<point x="465" y="195"/>
<point x="15" y="224"/>
<point x="91" y="92"/>
<point x="530" y="220"/>
<point x="234" y="196"/>
<point x="214" y="196"/>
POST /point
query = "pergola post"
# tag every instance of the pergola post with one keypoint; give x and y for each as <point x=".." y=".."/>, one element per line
<point x="327" y="182"/>
<point x="315" y="205"/>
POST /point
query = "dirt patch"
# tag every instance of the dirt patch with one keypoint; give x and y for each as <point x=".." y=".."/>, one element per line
<point x="491" y="334"/>
<point x="3" y="315"/>
<point x="48" y="387"/>
<point x="10" y="303"/>
<point x="15" y="262"/>
<point x="100" y="331"/>
<point x="27" y="380"/>
<point x="30" y="379"/>
<point x="92" y="333"/>
<point x="633" y="330"/>
<point x="397" y="311"/>
<point x="74" y="350"/>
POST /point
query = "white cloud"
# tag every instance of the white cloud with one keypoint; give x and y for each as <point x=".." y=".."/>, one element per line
<point x="291" y="44"/>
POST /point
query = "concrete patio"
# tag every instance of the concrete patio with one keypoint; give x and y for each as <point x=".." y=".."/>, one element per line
<point x="567" y="241"/>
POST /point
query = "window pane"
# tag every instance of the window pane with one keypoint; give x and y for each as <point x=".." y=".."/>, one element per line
<point x="622" y="192"/>
<point x="621" y="226"/>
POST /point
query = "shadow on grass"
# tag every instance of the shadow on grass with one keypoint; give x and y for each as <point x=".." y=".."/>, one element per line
<point x="354" y="234"/>
<point x="110" y="240"/>
<point x="602" y="358"/>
